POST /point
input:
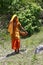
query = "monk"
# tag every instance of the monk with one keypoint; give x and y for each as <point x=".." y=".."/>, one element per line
<point x="14" y="30"/>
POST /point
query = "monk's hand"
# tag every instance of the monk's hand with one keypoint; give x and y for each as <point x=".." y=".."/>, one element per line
<point x="26" y="32"/>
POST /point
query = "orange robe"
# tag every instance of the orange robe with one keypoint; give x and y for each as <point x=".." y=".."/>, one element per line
<point x="13" y="29"/>
<point x="15" y="44"/>
<point x="16" y="37"/>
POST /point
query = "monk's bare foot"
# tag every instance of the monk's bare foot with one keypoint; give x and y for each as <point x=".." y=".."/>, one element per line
<point x="16" y="51"/>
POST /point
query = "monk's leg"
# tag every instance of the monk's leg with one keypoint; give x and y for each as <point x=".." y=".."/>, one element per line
<point x="18" y="45"/>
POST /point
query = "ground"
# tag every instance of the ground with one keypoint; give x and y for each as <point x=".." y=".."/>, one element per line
<point x="27" y="58"/>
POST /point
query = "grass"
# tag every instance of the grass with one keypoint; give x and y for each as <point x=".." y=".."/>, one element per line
<point x="29" y="43"/>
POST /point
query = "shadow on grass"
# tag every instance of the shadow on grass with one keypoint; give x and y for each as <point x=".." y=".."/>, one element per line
<point x="13" y="53"/>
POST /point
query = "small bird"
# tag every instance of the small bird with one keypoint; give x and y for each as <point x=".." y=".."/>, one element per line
<point x="39" y="49"/>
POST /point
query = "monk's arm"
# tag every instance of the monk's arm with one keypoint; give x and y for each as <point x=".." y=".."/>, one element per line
<point x="23" y="29"/>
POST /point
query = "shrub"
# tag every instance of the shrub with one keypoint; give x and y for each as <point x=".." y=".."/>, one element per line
<point x="29" y="17"/>
<point x="28" y="13"/>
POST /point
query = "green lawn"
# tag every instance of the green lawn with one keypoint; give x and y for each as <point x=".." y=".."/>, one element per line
<point x="27" y="58"/>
